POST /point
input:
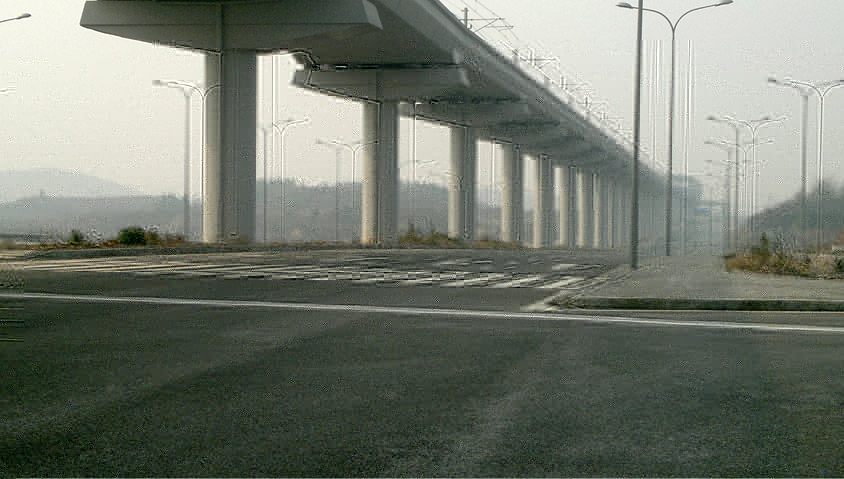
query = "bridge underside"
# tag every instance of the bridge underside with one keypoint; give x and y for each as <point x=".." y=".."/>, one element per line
<point x="398" y="57"/>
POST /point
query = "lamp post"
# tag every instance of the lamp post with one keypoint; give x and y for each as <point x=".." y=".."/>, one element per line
<point x="186" y="191"/>
<point x="804" y="95"/>
<point x="188" y="89"/>
<point x="338" y="153"/>
<point x="354" y="148"/>
<point x="748" y="181"/>
<point x="753" y="126"/>
<point x="728" y="216"/>
<point x="637" y="133"/>
<point x="281" y="128"/>
<point x="672" y="99"/>
<point x="821" y="89"/>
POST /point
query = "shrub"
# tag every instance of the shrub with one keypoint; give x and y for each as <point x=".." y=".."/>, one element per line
<point x="76" y="238"/>
<point x="132" y="236"/>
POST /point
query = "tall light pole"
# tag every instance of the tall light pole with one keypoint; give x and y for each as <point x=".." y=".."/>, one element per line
<point x="19" y="17"/>
<point x="821" y="89"/>
<point x="354" y="148"/>
<point x="804" y="95"/>
<point x="672" y="99"/>
<point x="744" y="148"/>
<point x="637" y="133"/>
<point x="267" y="131"/>
<point x="753" y="126"/>
<point x="188" y="89"/>
<point x="281" y="127"/>
<point x="728" y="216"/>
<point x="186" y="192"/>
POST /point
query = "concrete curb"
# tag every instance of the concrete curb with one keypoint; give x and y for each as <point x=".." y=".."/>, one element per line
<point x="689" y="304"/>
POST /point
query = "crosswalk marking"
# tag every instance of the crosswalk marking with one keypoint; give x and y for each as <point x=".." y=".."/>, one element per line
<point x="434" y="278"/>
<point x="356" y="273"/>
<point x="486" y="279"/>
<point x="520" y="282"/>
<point x="563" y="283"/>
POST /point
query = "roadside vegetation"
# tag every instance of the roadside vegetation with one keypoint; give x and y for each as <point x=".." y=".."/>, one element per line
<point x="440" y="240"/>
<point x="778" y="256"/>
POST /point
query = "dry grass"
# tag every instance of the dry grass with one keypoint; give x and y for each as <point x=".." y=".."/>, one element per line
<point x="773" y="257"/>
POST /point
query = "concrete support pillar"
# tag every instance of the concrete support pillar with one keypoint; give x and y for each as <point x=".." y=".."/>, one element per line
<point x="618" y="212"/>
<point x="544" y="202"/>
<point x="598" y="211"/>
<point x="606" y="206"/>
<point x="565" y="189"/>
<point x="511" y="193"/>
<point x="379" y="192"/>
<point x="229" y="210"/>
<point x="585" y="213"/>
<point x="461" y="198"/>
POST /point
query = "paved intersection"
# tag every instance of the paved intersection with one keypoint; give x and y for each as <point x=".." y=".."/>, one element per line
<point x="494" y="272"/>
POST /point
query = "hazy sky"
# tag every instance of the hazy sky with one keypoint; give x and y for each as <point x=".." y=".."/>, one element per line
<point x="85" y="101"/>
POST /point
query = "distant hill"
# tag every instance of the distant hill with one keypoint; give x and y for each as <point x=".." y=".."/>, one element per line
<point x="784" y="219"/>
<point x="18" y="184"/>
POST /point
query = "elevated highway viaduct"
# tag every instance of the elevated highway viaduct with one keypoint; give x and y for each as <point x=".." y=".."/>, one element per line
<point x="398" y="57"/>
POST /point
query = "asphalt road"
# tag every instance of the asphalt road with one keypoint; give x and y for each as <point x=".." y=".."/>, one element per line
<point x="263" y="386"/>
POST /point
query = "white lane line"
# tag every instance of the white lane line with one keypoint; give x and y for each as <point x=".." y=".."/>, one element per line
<point x="563" y="266"/>
<point x="486" y="279"/>
<point x="563" y="283"/>
<point x="82" y="267"/>
<point x="434" y="278"/>
<point x="393" y="276"/>
<point x="519" y="283"/>
<point x="67" y="263"/>
<point x="419" y="312"/>
<point x="147" y="267"/>
<point x="126" y="267"/>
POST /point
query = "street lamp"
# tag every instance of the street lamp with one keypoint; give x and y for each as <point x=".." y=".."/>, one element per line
<point x="748" y="181"/>
<point x="821" y="89"/>
<point x="804" y="95"/>
<point x="354" y="148"/>
<point x="188" y="89"/>
<point x="19" y="17"/>
<point x="753" y="126"/>
<point x="730" y="224"/>
<point x="672" y="99"/>
<point x="338" y="152"/>
<point x="280" y="128"/>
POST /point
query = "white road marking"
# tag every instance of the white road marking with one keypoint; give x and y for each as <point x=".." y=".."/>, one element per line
<point x="57" y="264"/>
<point x="519" y="283"/>
<point x="420" y="312"/>
<point x="434" y="278"/>
<point x="563" y="283"/>
<point x="486" y="279"/>
<point x="562" y="266"/>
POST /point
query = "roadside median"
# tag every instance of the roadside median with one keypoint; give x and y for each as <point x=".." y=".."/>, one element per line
<point x="701" y="283"/>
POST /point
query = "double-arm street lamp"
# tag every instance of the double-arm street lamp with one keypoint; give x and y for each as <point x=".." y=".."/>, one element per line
<point x="748" y="180"/>
<point x="729" y="221"/>
<point x="804" y="95"/>
<point x="354" y="148"/>
<point x="280" y="128"/>
<point x="188" y="89"/>
<point x="753" y="126"/>
<point x="822" y="89"/>
<point x="672" y="99"/>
